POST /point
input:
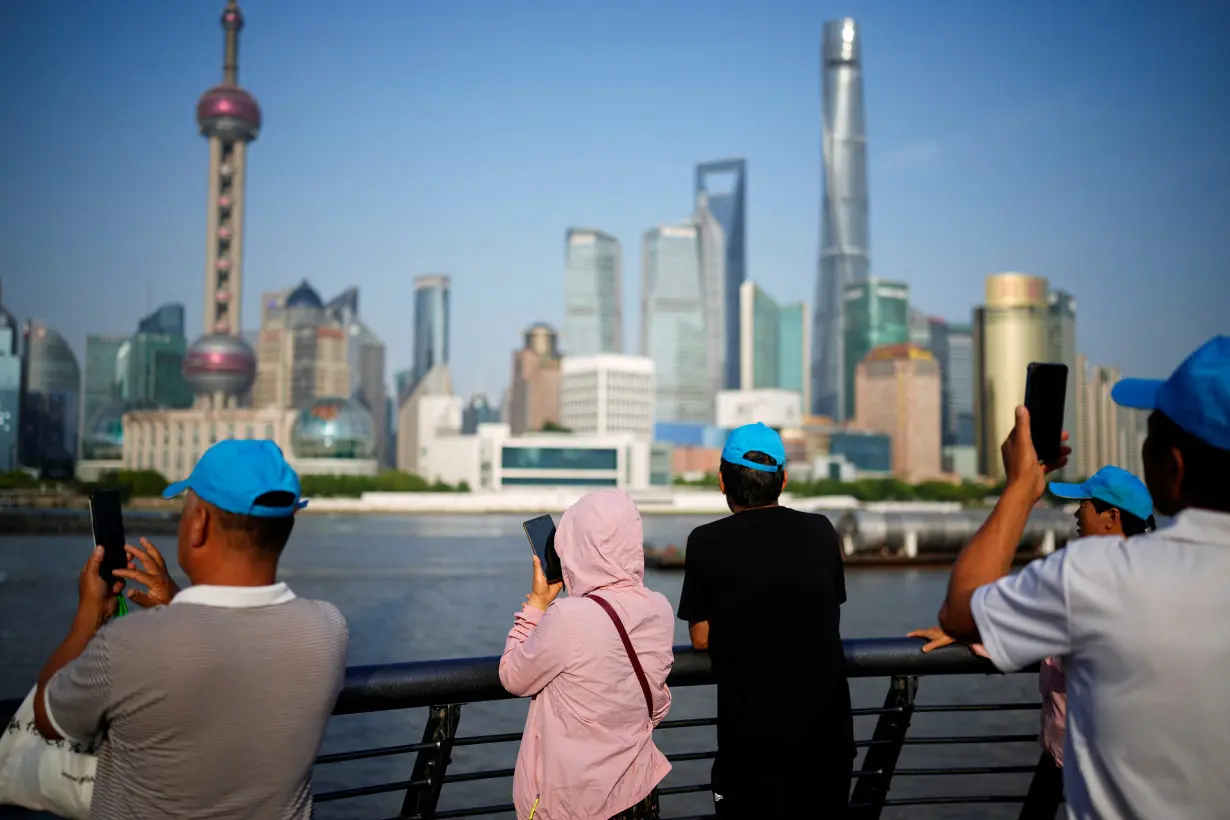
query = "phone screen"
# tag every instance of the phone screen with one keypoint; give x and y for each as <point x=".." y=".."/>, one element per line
<point x="541" y="533"/>
<point x="107" y="519"/>
<point x="1046" y="387"/>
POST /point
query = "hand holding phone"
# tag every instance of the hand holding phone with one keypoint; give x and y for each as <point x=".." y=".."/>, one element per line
<point x="541" y="534"/>
<point x="107" y="521"/>
<point x="1046" y="386"/>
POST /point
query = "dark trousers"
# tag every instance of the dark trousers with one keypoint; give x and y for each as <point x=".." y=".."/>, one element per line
<point x="647" y="809"/>
<point x="807" y="785"/>
<point x="1045" y="790"/>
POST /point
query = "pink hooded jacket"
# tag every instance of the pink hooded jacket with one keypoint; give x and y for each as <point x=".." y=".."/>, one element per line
<point x="588" y="751"/>
<point x="1052" y="684"/>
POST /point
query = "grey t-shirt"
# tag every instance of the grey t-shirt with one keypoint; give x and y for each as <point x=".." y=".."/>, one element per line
<point x="212" y="707"/>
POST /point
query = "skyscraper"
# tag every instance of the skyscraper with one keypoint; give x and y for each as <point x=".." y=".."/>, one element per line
<point x="430" y="323"/>
<point x="593" y="297"/>
<point x="728" y="204"/>
<point x="673" y="331"/>
<point x="845" y="241"/>
<point x="167" y="319"/>
<point x="953" y="346"/>
<point x="898" y="389"/>
<point x="10" y="388"/>
<point x="50" y="405"/>
<point x="533" y="395"/>
<point x="1010" y="332"/>
<point x="365" y="353"/>
<point x="876" y="313"/>
<point x="794" y="351"/>
<point x="100" y="385"/>
<point x="760" y="329"/>
<point x="221" y="366"/>
<point x="713" y="289"/>
<point x="1061" y="348"/>
<point x="303" y="352"/>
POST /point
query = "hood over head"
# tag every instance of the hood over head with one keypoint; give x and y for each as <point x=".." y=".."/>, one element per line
<point x="601" y="543"/>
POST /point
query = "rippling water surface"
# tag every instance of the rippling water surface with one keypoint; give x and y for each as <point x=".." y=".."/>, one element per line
<point x="417" y="588"/>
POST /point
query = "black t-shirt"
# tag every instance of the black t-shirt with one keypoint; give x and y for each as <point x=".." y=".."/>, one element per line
<point x="770" y="582"/>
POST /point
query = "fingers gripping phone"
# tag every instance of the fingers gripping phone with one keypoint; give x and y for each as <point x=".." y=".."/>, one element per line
<point x="1046" y="387"/>
<point x="541" y="533"/>
<point x="107" y="520"/>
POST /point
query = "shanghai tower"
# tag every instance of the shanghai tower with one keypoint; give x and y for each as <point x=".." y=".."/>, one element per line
<point x="844" y="240"/>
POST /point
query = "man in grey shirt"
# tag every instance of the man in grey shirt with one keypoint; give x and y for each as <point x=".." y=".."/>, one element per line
<point x="1140" y="624"/>
<point x="214" y="705"/>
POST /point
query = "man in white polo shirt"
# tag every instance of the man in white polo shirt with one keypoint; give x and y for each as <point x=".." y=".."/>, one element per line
<point x="1144" y="624"/>
<point x="215" y="705"/>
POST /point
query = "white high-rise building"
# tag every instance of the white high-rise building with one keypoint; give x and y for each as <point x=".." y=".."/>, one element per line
<point x="607" y="394"/>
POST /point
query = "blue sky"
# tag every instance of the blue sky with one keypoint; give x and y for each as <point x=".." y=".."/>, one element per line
<point x="1086" y="142"/>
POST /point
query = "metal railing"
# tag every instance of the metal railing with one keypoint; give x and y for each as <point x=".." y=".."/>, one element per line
<point x="443" y="687"/>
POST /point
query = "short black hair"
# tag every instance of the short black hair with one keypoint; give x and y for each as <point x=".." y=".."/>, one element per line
<point x="267" y="535"/>
<point x="1132" y="524"/>
<point x="746" y="487"/>
<point x="1205" y="467"/>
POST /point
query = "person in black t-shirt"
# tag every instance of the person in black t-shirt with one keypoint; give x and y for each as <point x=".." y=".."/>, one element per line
<point x="762" y="592"/>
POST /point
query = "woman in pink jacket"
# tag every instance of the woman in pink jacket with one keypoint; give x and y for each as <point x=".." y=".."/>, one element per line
<point x="587" y="752"/>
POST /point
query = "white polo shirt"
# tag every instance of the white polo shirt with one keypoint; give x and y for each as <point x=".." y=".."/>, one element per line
<point x="1144" y="628"/>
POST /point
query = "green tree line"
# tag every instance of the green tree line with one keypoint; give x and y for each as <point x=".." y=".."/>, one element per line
<point x="150" y="484"/>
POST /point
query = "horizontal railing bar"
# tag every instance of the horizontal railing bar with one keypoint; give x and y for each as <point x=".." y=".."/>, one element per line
<point x="955" y="800"/>
<point x="980" y="707"/>
<point x="475" y="811"/>
<point x="688" y="723"/>
<point x="380" y="751"/>
<point x="666" y="791"/>
<point x="486" y="774"/>
<point x="679" y="757"/>
<point x="468" y="680"/>
<point x="959" y="739"/>
<point x="479" y="740"/>
<point x="361" y="791"/>
<point x="964" y="770"/>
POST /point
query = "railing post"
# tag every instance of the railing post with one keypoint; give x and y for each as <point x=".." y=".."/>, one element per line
<point x="429" y="766"/>
<point x="871" y="789"/>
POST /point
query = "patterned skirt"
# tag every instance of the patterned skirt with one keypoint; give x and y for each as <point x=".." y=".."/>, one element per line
<point x="647" y="809"/>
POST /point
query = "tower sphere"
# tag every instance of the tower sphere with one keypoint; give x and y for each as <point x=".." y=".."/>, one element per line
<point x="220" y="363"/>
<point x="229" y="113"/>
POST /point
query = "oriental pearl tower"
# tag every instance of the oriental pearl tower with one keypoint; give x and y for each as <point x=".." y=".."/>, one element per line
<point x="220" y="366"/>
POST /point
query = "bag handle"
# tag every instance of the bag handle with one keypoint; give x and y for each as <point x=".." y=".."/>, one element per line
<point x="623" y="636"/>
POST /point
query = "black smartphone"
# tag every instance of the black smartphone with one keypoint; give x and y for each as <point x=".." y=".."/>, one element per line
<point x="107" y="520"/>
<point x="1046" y="387"/>
<point x="541" y="533"/>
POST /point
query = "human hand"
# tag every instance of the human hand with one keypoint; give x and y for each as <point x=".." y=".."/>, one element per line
<point x="160" y="587"/>
<point x="96" y="600"/>
<point x="935" y="637"/>
<point x="1021" y="465"/>
<point x="541" y="593"/>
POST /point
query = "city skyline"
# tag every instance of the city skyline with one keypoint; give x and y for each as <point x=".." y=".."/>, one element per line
<point x="1092" y="239"/>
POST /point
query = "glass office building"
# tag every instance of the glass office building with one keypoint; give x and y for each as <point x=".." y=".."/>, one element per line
<point x="10" y="390"/>
<point x="100" y="388"/>
<point x="430" y="324"/>
<point x="876" y="314"/>
<point x="673" y="331"/>
<point x="794" y="350"/>
<point x="50" y="404"/>
<point x="593" y="320"/>
<point x="845" y="238"/>
<point x="760" y="338"/>
<point x="724" y="188"/>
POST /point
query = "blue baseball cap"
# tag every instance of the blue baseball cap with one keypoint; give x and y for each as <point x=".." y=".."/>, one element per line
<point x="749" y="437"/>
<point x="234" y="473"/>
<point x="1196" y="397"/>
<point x="1114" y="486"/>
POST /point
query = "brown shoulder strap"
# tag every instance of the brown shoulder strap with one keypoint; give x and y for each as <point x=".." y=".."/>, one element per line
<point x="623" y="636"/>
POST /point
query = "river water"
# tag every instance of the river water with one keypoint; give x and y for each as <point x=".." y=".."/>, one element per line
<point x="418" y="588"/>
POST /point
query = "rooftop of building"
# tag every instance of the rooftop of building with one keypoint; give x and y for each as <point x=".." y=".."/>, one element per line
<point x="906" y="350"/>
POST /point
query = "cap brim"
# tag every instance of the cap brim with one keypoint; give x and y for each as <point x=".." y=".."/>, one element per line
<point x="175" y="489"/>
<point x="1073" y="491"/>
<point x="1138" y="394"/>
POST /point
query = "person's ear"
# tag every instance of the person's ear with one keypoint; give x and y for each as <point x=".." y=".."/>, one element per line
<point x="785" y="479"/>
<point x="721" y="483"/>
<point x="1113" y="519"/>
<point x="198" y="525"/>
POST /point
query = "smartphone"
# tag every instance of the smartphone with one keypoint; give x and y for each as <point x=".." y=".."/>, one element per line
<point x="541" y="533"/>
<point x="1046" y="387"/>
<point x="107" y="520"/>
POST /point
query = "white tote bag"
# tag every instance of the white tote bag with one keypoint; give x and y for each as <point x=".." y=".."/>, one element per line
<point x="45" y="775"/>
